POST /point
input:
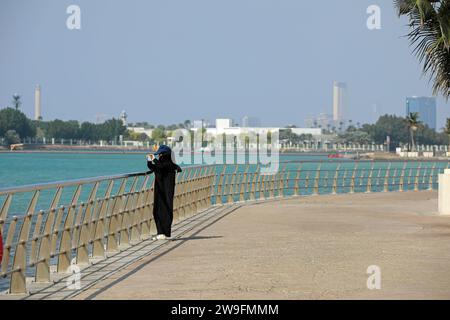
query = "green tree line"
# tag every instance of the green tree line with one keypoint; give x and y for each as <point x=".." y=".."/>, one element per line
<point x="15" y="126"/>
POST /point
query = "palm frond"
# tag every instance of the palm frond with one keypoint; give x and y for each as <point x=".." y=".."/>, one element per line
<point x="429" y="22"/>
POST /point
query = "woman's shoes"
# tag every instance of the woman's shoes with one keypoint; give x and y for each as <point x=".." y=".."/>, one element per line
<point x="160" y="237"/>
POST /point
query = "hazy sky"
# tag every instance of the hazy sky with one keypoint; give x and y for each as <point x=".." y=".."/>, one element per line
<point x="169" y="60"/>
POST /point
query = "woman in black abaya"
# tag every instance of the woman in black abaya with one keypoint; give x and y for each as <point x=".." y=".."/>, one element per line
<point x="165" y="170"/>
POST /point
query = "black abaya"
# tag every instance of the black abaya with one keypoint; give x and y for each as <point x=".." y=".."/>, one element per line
<point x="165" y="171"/>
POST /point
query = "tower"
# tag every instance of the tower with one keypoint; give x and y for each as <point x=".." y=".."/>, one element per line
<point x="37" y="103"/>
<point x="339" y="100"/>
<point x="123" y="117"/>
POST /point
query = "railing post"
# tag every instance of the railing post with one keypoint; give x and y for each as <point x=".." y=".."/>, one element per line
<point x="227" y="188"/>
<point x="401" y="187"/>
<point x="98" y="249"/>
<point x="36" y="237"/>
<point x="369" y="180"/>
<point x="137" y="218"/>
<point x="386" y="178"/>
<point x="8" y="244"/>
<point x="409" y="178"/>
<point x="316" y="181"/>
<point x="297" y="181"/>
<point x="150" y="211"/>
<point x="189" y="195"/>
<point x="416" y="180"/>
<point x="281" y="182"/>
<point x="183" y="197"/>
<point x="336" y="175"/>
<point x="286" y="183"/>
<point x="307" y="180"/>
<point x="43" y="256"/>
<point x="177" y="205"/>
<point x="431" y="181"/>
<point x="206" y="190"/>
<point x="18" y="276"/>
<point x="125" y="222"/>
<point x="197" y="188"/>
<point x="65" y="244"/>
<point x="145" y="213"/>
<point x="253" y="180"/>
<point x="352" y="182"/>
<point x="242" y="196"/>
<point x="220" y="186"/>
<point x="394" y="180"/>
<point x="264" y="186"/>
<point x="192" y="195"/>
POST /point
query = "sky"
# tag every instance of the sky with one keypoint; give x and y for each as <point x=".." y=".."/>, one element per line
<point x="168" y="61"/>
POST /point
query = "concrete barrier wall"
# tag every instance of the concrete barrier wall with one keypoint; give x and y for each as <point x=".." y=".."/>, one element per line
<point x="444" y="193"/>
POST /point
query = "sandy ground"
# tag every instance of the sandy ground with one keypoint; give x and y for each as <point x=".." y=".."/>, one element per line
<point x="304" y="248"/>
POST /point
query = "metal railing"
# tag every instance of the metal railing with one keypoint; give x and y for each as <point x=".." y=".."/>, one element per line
<point x="102" y="216"/>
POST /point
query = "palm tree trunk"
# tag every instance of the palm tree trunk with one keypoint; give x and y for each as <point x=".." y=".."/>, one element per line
<point x="413" y="147"/>
<point x="449" y="143"/>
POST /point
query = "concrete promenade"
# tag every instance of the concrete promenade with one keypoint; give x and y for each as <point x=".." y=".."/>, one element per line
<point x="304" y="248"/>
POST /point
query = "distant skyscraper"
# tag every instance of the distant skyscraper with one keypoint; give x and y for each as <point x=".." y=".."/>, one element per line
<point x="37" y="103"/>
<point x="250" y="122"/>
<point x="425" y="107"/>
<point x="339" y="100"/>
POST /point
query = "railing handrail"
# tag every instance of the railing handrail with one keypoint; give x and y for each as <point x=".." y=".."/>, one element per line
<point x="66" y="183"/>
<point x="76" y="182"/>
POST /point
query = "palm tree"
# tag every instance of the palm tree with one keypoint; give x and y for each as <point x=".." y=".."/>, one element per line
<point x="413" y="125"/>
<point x="16" y="101"/>
<point x="447" y="130"/>
<point x="429" y="21"/>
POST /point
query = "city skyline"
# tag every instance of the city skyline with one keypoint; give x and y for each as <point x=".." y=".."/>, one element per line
<point x="168" y="63"/>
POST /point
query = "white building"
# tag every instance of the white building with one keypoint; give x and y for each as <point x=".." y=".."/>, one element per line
<point x="224" y="123"/>
<point x="312" y="131"/>
<point x="140" y="130"/>
<point x="223" y="127"/>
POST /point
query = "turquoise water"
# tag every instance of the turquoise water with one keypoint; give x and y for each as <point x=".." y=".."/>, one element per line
<point x="17" y="169"/>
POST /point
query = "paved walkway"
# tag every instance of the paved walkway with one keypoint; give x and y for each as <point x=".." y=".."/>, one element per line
<point x="107" y="268"/>
<point x="303" y="248"/>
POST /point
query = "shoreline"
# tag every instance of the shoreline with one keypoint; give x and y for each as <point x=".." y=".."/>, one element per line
<point x="377" y="156"/>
